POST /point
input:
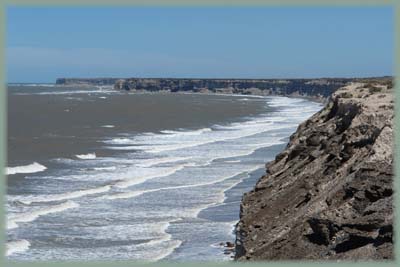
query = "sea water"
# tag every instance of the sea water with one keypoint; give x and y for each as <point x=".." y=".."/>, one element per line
<point x="96" y="174"/>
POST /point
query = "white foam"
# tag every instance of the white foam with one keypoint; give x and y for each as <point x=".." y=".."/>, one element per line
<point x="221" y="195"/>
<point x="17" y="246"/>
<point x="124" y="195"/>
<point x="152" y="162"/>
<point x="182" y="132"/>
<point x="161" y="148"/>
<point x="140" y="179"/>
<point x="159" y="144"/>
<point x="132" y="194"/>
<point x="64" y="196"/>
<point x="120" y="141"/>
<point x="13" y="220"/>
<point x="250" y="149"/>
<point x="125" y="169"/>
<point x="31" y="168"/>
<point x="108" y="126"/>
<point x="86" y="156"/>
<point x="159" y="245"/>
<point x="284" y="101"/>
<point x="174" y="244"/>
<point x="171" y="147"/>
<point x="165" y="134"/>
<point x="112" y="168"/>
<point x="166" y="239"/>
<point x="235" y="184"/>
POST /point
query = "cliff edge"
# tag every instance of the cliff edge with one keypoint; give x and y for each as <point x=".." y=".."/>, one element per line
<point x="317" y="88"/>
<point x="328" y="195"/>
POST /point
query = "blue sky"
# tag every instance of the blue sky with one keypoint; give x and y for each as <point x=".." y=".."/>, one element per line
<point x="220" y="42"/>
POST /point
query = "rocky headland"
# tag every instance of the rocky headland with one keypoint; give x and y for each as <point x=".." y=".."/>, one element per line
<point x="329" y="194"/>
<point x="316" y="88"/>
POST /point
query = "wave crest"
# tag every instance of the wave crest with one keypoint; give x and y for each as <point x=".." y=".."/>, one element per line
<point x="31" y="168"/>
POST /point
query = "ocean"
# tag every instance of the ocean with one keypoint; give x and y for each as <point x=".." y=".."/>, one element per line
<point x="98" y="174"/>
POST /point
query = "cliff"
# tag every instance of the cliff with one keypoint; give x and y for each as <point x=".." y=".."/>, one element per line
<point x="329" y="194"/>
<point x="296" y="87"/>
<point x="320" y="88"/>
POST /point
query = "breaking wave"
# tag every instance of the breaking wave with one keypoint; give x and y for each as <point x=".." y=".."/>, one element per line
<point x="31" y="168"/>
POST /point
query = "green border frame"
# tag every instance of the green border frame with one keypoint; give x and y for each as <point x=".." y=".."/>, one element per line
<point x="192" y="3"/>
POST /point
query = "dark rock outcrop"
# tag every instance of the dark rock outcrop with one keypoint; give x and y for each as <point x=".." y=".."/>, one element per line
<point x="329" y="194"/>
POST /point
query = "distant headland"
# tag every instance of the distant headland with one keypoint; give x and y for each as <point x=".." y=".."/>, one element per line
<point x="316" y="88"/>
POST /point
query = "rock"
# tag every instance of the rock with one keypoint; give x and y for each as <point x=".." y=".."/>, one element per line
<point x="120" y="85"/>
<point x="230" y="244"/>
<point x="329" y="194"/>
<point x="313" y="140"/>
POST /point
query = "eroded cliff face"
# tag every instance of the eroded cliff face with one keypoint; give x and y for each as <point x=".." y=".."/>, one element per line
<point x="297" y="87"/>
<point x="329" y="194"/>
